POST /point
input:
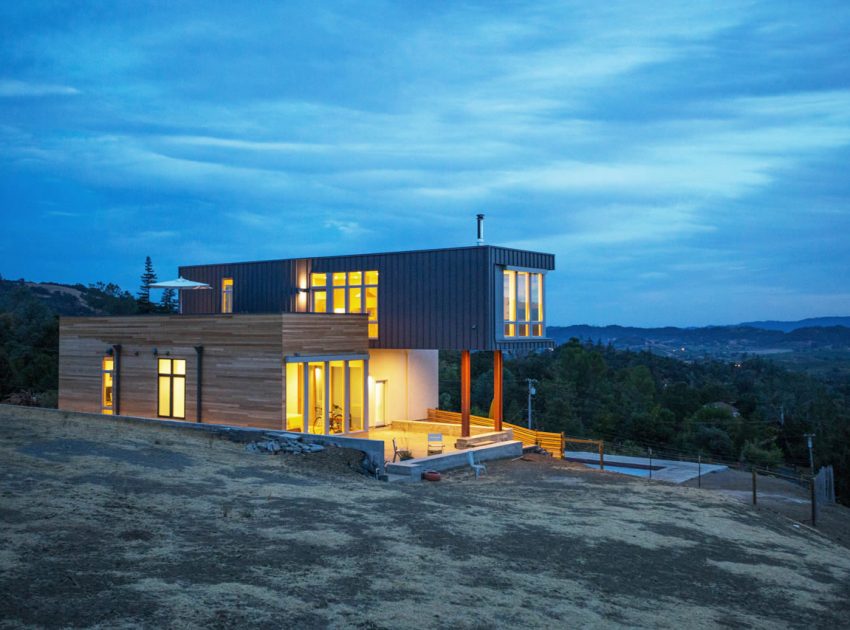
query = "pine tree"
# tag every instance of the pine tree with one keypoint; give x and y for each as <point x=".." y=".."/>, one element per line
<point x="148" y="278"/>
<point x="169" y="301"/>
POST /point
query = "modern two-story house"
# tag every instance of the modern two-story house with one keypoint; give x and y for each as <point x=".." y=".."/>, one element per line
<point x="325" y="345"/>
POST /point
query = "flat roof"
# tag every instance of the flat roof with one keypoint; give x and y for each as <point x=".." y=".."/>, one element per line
<point x="395" y="253"/>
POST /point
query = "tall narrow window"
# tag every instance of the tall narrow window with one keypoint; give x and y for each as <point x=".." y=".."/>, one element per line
<point x="522" y="304"/>
<point x="108" y="381"/>
<point x="349" y="292"/>
<point x="171" y="388"/>
<point x="227" y="295"/>
<point x="295" y="397"/>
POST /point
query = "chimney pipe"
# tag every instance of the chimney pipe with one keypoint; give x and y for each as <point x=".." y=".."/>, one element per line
<point x="480" y="229"/>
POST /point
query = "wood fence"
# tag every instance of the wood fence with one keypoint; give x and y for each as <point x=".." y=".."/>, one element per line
<point x="552" y="442"/>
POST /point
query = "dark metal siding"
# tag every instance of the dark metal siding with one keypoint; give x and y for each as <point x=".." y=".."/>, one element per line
<point x="258" y="287"/>
<point x="444" y="299"/>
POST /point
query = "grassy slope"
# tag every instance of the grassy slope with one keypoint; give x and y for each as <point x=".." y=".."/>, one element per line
<point x="120" y="526"/>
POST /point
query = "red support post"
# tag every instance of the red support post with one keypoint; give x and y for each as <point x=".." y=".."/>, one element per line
<point x="465" y="392"/>
<point x="498" y="401"/>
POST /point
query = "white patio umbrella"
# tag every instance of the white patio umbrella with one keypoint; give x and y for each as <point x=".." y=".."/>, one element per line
<point x="181" y="284"/>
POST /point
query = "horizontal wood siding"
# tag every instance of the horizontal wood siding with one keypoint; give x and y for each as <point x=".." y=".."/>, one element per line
<point x="440" y="299"/>
<point x="243" y="379"/>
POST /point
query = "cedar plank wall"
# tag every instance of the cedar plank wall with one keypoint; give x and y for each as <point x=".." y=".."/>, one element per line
<point x="243" y="360"/>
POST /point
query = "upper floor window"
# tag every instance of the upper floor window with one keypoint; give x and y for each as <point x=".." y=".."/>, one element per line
<point x="227" y="295"/>
<point x="346" y="292"/>
<point x="523" y="303"/>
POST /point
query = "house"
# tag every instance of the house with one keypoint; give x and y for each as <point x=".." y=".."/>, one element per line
<point x="335" y="344"/>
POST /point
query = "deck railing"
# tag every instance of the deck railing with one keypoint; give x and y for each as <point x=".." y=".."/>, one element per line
<point x="552" y="442"/>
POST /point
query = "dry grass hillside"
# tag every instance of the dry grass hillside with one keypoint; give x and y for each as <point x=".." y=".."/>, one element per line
<point x="110" y="525"/>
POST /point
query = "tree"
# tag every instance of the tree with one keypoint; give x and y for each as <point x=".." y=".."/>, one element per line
<point x="168" y="304"/>
<point x="148" y="278"/>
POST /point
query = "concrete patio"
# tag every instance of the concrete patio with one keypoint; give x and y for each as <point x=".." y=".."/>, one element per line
<point x="412" y="435"/>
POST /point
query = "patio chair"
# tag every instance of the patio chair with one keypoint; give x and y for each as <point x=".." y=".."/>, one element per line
<point x="478" y="469"/>
<point x="435" y="443"/>
<point x="400" y="453"/>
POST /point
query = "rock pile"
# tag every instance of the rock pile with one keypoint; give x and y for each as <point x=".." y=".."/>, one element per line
<point x="283" y="445"/>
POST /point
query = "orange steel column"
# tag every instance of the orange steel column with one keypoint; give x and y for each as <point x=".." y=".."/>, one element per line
<point x="498" y="404"/>
<point x="465" y="387"/>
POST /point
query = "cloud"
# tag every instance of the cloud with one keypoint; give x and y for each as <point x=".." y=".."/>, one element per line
<point x="12" y="89"/>
<point x="642" y="147"/>
<point x="346" y="228"/>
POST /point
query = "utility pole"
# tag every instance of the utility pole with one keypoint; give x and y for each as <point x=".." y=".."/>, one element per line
<point x="531" y="392"/>
<point x="809" y="437"/>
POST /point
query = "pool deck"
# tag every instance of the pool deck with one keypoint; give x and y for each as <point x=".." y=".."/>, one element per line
<point x="671" y="470"/>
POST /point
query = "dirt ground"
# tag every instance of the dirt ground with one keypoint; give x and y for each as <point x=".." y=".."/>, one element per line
<point x="782" y="496"/>
<point x="117" y="526"/>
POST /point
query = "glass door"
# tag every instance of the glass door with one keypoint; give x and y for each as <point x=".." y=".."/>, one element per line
<point x="380" y="403"/>
<point x="316" y="394"/>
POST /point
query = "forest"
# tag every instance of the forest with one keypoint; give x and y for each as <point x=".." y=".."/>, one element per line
<point x="750" y="410"/>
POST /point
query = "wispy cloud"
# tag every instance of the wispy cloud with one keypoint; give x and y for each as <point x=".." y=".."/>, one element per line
<point x="12" y="88"/>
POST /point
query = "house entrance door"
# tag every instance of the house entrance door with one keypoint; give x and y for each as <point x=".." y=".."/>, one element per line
<point x="380" y="403"/>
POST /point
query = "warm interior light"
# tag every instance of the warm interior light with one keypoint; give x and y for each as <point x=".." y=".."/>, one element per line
<point x="353" y="292"/>
<point x="227" y="295"/>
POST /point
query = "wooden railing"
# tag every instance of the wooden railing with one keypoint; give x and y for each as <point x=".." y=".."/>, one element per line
<point x="552" y="442"/>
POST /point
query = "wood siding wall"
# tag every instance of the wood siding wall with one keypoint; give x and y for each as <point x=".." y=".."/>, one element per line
<point x="437" y="299"/>
<point x="243" y="378"/>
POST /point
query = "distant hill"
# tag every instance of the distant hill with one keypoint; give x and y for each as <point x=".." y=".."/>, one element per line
<point x="720" y="342"/>
<point x="811" y="322"/>
<point x="68" y="300"/>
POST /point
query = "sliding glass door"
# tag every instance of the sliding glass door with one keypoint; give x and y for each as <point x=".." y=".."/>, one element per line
<point x="326" y="395"/>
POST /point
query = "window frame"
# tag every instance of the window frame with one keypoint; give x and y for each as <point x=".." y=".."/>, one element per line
<point x="171" y="380"/>
<point x="521" y="322"/>
<point x="227" y="295"/>
<point x="329" y="286"/>
<point x="105" y="409"/>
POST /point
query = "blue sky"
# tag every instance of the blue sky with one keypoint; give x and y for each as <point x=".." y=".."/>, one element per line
<point x="686" y="162"/>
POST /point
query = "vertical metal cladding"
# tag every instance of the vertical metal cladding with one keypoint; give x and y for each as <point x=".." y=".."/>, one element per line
<point x="444" y="299"/>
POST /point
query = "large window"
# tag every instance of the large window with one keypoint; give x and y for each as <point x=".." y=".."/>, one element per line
<point x="227" y="295"/>
<point x="347" y="292"/>
<point x="107" y="384"/>
<point x="523" y="303"/>
<point x="326" y="395"/>
<point x="171" y="384"/>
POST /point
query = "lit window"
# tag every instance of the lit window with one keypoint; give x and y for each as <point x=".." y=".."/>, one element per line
<point x="108" y="381"/>
<point x="227" y="295"/>
<point x="171" y="375"/>
<point x="326" y="396"/>
<point x="352" y="292"/>
<point x="522" y="300"/>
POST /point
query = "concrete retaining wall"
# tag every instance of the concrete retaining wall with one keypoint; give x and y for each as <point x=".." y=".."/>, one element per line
<point x="457" y="459"/>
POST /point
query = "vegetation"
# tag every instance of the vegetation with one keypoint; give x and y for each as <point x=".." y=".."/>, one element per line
<point x="29" y="329"/>
<point x="751" y="411"/>
<point x="144" y="296"/>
